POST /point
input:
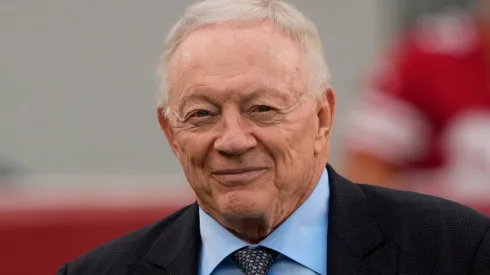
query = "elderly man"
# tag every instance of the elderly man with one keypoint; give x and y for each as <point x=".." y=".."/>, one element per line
<point x="247" y="109"/>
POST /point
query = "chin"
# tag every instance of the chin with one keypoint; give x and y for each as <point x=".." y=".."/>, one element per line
<point x="242" y="204"/>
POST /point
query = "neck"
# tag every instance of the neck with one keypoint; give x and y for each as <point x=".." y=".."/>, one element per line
<point x="254" y="230"/>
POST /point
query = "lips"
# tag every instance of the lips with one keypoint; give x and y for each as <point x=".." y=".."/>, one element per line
<point x="240" y="175"/>
<point x="237" y="171"/>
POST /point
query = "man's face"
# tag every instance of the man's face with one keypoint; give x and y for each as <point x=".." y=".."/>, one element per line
<point x="242" y="123"/>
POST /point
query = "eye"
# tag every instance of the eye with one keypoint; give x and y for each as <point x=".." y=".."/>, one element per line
<point x="200" y="113"/>
<point x="261" y="108"/>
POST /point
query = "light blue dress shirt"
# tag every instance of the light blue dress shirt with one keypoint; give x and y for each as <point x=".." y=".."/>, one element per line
<point x="301" y="240"/>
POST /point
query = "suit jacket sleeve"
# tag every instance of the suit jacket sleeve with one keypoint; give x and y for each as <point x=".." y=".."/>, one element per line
<point x="62" y="270"/>
<point x="481" y="264"/>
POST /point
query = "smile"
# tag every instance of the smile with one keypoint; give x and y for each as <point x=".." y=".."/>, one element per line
<point x="234" y="176"/>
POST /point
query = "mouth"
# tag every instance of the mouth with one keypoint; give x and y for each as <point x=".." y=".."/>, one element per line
<point x="241" y="175"/>
<point x="237" y="171"/>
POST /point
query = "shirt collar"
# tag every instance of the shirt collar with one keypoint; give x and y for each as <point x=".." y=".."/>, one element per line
<point x="217" y="242"/>
<point x="296" y="238"/>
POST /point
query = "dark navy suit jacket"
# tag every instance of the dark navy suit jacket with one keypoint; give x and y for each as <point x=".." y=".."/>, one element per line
<point x="372" y="230"/>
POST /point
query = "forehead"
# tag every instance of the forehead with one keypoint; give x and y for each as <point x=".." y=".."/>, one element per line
<point x="233" y="54"/>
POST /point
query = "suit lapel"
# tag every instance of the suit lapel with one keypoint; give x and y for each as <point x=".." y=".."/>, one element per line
<point x="355" y="243"/>
<point x="176" y="250"/>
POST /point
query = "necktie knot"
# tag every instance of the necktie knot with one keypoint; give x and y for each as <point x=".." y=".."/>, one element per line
<point x="254" y="261"/>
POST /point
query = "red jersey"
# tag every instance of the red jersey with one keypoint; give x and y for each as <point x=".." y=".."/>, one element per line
<point x="426" y="108"/>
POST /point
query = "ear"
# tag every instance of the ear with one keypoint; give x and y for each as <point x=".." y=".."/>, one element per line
<point x="325" y="113"/>
<point x="167" y="130"/>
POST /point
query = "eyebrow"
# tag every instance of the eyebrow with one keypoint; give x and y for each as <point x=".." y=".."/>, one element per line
<point x="267" y="91"/>
<point x="199" y="95"/>
<point x="194" y="97"/>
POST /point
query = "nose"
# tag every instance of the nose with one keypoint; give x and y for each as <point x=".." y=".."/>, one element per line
<point x="236" y="137"/>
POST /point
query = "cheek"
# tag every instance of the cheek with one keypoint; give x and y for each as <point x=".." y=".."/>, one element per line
<point x="192" y="149"/>
<point x="293" y="139"/>
<point x="292" y="147"/>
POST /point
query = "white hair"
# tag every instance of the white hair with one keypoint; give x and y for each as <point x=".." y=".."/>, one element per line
<point x="285" y="16"/>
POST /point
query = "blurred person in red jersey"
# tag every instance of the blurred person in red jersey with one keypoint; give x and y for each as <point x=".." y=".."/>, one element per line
<point x="423" y="120"/>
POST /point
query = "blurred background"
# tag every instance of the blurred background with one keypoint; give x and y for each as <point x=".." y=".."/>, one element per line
<point x="83" y="160"/>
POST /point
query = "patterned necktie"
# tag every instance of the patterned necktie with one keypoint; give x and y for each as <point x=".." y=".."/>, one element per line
<point x="254" y="261"/>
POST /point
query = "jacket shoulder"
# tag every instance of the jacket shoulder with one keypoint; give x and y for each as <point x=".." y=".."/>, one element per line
<point x="403" y="206"/>
<point x="426" y="223"/>
<point x="120" y="252"/>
